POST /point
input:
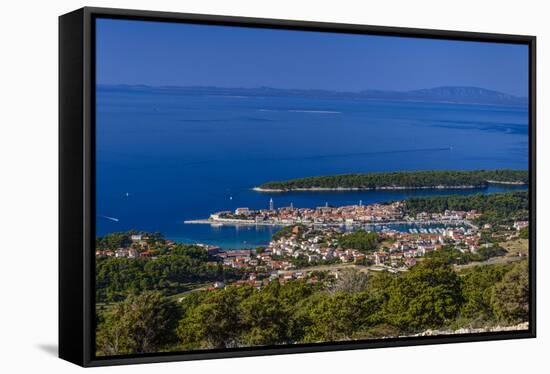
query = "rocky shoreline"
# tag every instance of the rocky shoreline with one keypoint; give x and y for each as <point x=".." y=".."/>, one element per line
<point x="471" y="330"/>
<point x="390" y="188"/>
<point x="438" y="187"/>
<point x="509" y="183"/>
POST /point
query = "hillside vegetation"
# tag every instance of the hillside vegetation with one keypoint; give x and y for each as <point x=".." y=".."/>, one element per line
<point x="405" y="179"/>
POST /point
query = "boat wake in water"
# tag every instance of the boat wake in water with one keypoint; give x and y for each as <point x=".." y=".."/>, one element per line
<point x="110" y="218"/>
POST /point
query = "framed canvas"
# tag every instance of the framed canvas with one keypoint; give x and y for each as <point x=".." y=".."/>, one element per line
<point x="237" y="186"/>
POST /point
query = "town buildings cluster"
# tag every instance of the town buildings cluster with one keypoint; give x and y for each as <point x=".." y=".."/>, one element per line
<point x="324" y="215"/>
<point x="314" y="238"/>
<point x="140" y="246"/>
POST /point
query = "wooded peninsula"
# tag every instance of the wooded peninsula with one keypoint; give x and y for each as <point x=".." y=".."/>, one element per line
<point x="443" y="179"/>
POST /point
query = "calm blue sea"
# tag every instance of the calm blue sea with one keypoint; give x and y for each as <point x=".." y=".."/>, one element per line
<point x="164" y="157"/>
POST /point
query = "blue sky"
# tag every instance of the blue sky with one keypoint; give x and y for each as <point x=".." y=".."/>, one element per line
<point x="157" y="53"/>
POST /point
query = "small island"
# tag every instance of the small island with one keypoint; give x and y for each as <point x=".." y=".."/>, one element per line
<point x="402" y="180"/>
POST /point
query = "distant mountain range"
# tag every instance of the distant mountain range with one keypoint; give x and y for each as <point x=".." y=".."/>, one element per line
<point x="454" y="94"/>
<point x="450" y="94"/>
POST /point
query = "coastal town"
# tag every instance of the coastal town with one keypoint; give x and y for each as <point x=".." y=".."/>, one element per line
<point x="350" y="215"/>
<point x="330" y="239"/>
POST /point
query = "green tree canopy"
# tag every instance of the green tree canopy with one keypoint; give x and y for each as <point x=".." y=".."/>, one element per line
<point x="142" y="323"/>
<point x="477" y="289"/>
<point x="264" y="318"/>
<point x="428" y="296"/>
<point x="510" y="299"/>
<point x="360" y="240"/>
<point x="215" y="322"/>
<point x="404" y="179"/>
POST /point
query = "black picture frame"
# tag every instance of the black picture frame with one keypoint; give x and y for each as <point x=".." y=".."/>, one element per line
<point x="77" y="195"/>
